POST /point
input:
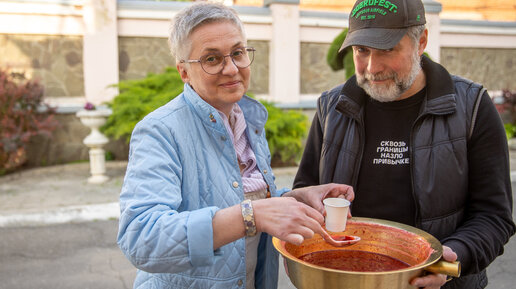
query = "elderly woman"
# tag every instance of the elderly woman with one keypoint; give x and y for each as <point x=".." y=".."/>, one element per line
<point x="199" y="204"/>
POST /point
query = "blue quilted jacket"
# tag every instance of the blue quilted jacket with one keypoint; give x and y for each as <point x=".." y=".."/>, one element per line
<point x="182" y="169"/>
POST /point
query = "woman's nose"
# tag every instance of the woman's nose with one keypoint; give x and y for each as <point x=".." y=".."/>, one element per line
<point x="229" y="67"/>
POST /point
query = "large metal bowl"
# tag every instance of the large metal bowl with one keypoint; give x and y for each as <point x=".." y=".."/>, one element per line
<point x="408" y="244"/>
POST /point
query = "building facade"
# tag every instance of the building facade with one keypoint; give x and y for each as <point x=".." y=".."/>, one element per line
<point x="78" y="49"/>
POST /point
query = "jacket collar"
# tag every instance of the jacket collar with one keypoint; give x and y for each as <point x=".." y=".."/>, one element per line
<point x="440" y="95"/>
<point x="254" y="112"/>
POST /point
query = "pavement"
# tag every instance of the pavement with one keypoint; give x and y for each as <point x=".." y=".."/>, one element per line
<point x="58" y="231"/>
<point x="60" y="195"/>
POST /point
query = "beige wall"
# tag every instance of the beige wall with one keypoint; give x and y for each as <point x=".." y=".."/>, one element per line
<point x="57" y="62"/>
<point x="494" y="10"/>
<point x="66" y="144"/>
<point x="494" y="68"/>
<point x="52" y="48"/>
<point x="54" y="60"/>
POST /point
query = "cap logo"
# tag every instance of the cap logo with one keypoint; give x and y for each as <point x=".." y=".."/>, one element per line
<point x="381" y="7"/>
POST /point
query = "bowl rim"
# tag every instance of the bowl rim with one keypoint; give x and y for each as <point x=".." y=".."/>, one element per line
<point x="435" y="245"/>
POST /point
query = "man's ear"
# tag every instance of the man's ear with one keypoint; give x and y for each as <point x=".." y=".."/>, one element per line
<point x="423" y="41"/>
<point x="183" y="72"/>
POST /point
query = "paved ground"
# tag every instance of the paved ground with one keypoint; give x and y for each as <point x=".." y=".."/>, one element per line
<point x="58" y="231"/>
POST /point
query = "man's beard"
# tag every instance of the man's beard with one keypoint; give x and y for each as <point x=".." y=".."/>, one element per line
<point x="392" y="90"/>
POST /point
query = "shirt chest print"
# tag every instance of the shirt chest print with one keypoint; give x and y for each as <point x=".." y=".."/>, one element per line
<point x="391" y="153"/>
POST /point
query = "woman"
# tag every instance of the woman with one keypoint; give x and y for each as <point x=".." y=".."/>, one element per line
<point x="199" y="172"/>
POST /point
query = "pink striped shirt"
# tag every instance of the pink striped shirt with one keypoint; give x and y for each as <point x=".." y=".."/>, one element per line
<point x="252" y="179"/>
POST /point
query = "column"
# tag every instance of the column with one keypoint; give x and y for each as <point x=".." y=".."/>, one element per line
<point x="100" y="45"/>
<point x="433" y="23"/>
<point x="284" y="57"/>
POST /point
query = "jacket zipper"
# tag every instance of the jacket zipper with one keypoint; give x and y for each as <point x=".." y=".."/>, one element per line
<point x="417" y="219"/>
<point x="356" y="170"/>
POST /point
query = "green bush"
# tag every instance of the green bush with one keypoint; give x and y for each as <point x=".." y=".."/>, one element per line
<point x="137" y="98"/>
<point x="343" y="60"/>
<point x="506" y="106"/>
<point x="285" y="130"/>
<point x="510" y="130"/>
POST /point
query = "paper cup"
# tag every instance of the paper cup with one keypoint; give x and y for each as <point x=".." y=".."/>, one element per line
<point x="336" y="214"/>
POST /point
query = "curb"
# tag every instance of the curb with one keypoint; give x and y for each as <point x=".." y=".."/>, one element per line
<point x="63" y="215"/>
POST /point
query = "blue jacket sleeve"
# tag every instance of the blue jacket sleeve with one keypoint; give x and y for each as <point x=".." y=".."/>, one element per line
<point x="156" y="233"/>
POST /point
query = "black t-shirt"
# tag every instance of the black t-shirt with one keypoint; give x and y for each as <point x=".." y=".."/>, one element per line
<point x="384" y="188"/>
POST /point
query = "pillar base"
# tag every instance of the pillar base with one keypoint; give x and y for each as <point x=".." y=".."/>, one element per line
<point x="98" y="179"/>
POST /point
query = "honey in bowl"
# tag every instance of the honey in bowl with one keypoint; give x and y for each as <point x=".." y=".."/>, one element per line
<point x="354" y="260"/>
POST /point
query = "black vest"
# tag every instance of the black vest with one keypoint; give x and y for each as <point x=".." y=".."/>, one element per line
<point x="439" y="139"/>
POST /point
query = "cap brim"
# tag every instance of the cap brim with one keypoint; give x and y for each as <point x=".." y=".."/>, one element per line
<point x="379" y="38"/>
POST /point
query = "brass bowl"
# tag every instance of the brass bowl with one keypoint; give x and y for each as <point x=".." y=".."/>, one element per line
<point x="413" y="246"/>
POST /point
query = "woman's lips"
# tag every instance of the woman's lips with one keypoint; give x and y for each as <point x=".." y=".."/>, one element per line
<point x="230" y="84"/>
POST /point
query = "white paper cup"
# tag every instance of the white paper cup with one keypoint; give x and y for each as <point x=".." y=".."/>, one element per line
<point x="336" y="214"/>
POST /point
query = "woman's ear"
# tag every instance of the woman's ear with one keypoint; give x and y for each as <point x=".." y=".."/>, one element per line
<point x="183" y="72"/>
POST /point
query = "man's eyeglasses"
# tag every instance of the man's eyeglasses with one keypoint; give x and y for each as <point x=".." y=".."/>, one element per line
<point x="213" y="63"/>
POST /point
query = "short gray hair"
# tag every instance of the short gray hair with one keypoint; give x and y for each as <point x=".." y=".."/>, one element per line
<point x="193" y="16"/>
<point x="415" y="32"/>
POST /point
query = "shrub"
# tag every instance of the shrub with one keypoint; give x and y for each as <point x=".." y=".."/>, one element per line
<point x="285" y="130"/>
<point x="22" y="115"/>
<point x="506" y="105"/>
<point x="343" y="60"/>
<point x="510" y="130"/>
<point x="137" y="98"/>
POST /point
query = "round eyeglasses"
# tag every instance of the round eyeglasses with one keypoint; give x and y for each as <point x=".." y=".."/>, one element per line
<point x="213" y="63"/>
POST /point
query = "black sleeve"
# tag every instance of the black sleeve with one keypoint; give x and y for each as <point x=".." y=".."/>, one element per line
<point x="488" y="221"/>
<point x="308" y="171"/>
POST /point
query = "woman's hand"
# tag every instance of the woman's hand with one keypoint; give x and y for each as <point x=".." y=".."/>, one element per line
<point x="287" y="219"/>
<point x="314" y="195"/>
<point x="296" y="216"/>
<point x="433" y="281"/>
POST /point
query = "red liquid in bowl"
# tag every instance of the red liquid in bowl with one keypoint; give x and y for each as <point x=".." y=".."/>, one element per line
<point x="354" y="260"/>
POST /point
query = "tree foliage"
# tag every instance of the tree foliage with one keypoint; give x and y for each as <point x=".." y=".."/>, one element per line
<point x="341" y="60"/>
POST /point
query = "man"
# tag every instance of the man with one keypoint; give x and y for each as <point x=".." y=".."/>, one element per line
<point x="418" y="145"/>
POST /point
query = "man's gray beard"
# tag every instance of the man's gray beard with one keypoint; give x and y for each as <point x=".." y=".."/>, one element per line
<point x="392" y="92"/>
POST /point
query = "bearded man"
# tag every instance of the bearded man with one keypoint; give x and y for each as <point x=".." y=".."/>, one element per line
<point x="419" y="146"/>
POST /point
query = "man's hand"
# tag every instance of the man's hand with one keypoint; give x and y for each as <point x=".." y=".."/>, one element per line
<point x="314" y="195"/>
<point x="434" y="281"/>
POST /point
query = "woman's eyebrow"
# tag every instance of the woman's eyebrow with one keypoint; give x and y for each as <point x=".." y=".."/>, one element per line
<point x="236" y="45"/>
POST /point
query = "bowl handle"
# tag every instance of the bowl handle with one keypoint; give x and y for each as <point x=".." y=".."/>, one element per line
<point x="445" y="267"/>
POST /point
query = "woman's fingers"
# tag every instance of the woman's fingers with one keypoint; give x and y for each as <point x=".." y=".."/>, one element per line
<point x="295" y="239"/>
<point x="287" y="219"/>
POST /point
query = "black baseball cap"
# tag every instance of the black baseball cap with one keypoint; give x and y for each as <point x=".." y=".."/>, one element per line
<point x="381" y="24"/>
